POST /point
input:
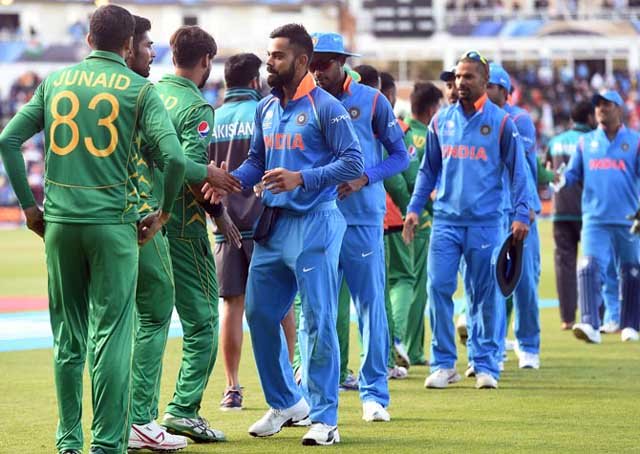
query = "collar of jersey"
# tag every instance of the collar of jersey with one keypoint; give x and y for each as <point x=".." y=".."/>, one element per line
<point x="414" y="122"/>
<point x="346" y="87"/>
<point x="106" y="55"/>
<point x="622" y="130"/>
<point x="179" y="80"/>
<point x="241" y="94"/>
<point x="582" y="127"/>
<point x="478" y="105"/>
<point x="307" y="84"/>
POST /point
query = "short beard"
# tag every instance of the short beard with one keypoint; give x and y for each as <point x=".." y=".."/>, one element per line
<point x="280" y="80"/>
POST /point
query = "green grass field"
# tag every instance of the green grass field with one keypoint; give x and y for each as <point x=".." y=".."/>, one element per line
<point x="585" y="398"/>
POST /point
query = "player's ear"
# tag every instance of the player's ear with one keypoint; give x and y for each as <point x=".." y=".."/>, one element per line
<point x="89" y="40"/>
<point x="128" y="47"/>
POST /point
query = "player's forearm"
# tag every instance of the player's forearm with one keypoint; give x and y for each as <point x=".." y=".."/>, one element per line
<point x="397" y="189"/>
<point x="396" y="162"/>
<point x="347" y="167"/>
<point x="11" y="140"/>
<point x="194" y="172"/>
<point x="250" y="172"/>
<point x="422" y="191"/>
<point x="174" y="168"/>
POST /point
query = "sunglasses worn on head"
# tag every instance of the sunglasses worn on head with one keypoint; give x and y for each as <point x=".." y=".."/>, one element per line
<point x="476" y="56"/>
<point x="321" y="65"/>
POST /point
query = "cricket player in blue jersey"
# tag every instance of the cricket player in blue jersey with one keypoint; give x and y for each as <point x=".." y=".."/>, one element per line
<point x="303" y="146"/>
<point x="567" y="224"/>
<point x="363" y="203"/>
<point x="525" y="297"/>
<point x="468" y="146"/>
<point x="607" y="162"/>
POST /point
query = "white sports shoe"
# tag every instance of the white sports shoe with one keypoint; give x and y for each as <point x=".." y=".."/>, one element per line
<point x="441" y="378"/>
<point x="461" y="328"/>
<point x="402" y="357"/>
<point x="586" y="332"/>
<point x="154" y="437"/>
<point x="485" y="381"/>
<point x="609" y="328"/>
<point x="528" y="360"/>
<point x="373" y="411"/>
<point x="274" y="420"/>
<point x="321" y="434"/>
<point x="470" y="372"/>
<point x="629" y="335"/>
<point x="397" y="373"/>
<point x="509" y="344"/>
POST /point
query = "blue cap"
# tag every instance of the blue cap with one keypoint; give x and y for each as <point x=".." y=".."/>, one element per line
<point x="446" y="76"/>
<point x="330" y="43"/>
<point x="609" y="95"/>
<point x="498" y="76"/>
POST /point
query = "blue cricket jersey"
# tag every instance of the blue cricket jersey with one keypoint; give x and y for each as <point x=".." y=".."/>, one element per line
<point x="312" y="134"/>
<point x="469" y="156"/>
<point x="375" y="123"/>
<point x="527" y="130"/>
<point x="610" y="174"/>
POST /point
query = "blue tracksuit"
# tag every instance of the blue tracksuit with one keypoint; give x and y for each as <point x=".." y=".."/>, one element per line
<point x="362" y="260"/>
<point x="311" y="134"/>
<point x="469" y="155"/>
<point x="610" y="174"/>
<point x="525" y="297"/>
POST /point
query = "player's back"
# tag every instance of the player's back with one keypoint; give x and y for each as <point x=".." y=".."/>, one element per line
<point x="91" y="112"/>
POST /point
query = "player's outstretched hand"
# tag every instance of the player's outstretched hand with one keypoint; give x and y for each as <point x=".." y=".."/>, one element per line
<point x="218" y="178"/>
<point x="281" y="180"/>
<point x="409" y="227"/>
<point x="519" y="230"/>
<point x="212" y="194"/>
<point x="345" y="189"/>
<point x="228" y="228"/>
<point x="150" y="225"/>
<point x="35" y="220"/>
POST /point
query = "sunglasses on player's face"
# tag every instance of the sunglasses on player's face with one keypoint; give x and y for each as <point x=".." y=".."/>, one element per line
<point x="321" y="65"/>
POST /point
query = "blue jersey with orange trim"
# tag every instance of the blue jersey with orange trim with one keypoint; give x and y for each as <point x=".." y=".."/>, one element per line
<point x="312" y="134"/>
<point x="469" y="156"/>
<point x="610" y="174"/>
<point x="375" y="124"/>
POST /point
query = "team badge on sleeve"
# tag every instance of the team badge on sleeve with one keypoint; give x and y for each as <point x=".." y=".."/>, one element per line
<point x="203" y="129"/>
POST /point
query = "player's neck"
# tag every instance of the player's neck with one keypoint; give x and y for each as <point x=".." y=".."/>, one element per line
<point x="190" y="74"/>
<point x="611" y="130"/>
<point x="290" y="89"/>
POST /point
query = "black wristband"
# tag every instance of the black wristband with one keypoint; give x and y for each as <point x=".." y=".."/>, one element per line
<point x="214" y="210"/>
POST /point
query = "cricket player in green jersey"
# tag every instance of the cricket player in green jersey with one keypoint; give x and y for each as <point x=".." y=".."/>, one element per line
<point x="193" y="263"/>
<point x="408" y="264"/>
<point x="155" y="288"/>
<point x="91" y="114"/>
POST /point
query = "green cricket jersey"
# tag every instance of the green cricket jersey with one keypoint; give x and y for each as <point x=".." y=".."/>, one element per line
<point x="149" y="178"/>
<point x="400" y="186"/>
<point x="91" y="113"/>
<point x="192" y="118"/>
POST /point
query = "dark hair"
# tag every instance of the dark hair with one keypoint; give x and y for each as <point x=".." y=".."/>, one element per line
<point x="581" y="111"/>
<point x="189" y="44"/>
<point x="297" y="36"/>
<point x="484" y="67"/>
<point x="240" y="69"/>
<point x="110" y="27"/>
<point x="386" y="81"/>
<point x="423" y="96"/>
<point x="368" y="75"/>
<point x="143" y="25"/>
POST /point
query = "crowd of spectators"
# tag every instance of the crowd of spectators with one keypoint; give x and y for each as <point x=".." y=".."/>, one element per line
<point x="547" y="92"/>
